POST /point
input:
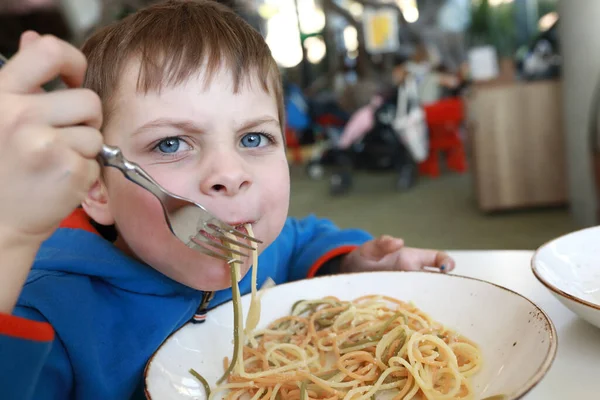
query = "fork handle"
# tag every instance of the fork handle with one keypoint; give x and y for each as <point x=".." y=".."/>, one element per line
<point x="111" y="156"/>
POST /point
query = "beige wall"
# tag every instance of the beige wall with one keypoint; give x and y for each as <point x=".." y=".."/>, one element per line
<point x="580" y="46"/>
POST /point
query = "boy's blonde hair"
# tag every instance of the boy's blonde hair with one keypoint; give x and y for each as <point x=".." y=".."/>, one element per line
<point x="173" y="40"/>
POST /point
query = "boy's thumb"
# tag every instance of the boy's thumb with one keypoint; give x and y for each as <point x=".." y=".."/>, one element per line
<point x="382" y="246"/>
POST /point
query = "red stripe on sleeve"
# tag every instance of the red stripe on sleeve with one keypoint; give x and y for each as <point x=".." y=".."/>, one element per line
<point x="22" y="328"/>
<point x="78" y="220"/>
<point x="338" y="251"/>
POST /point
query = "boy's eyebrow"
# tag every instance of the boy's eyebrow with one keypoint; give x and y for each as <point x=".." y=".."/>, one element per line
<point x="190" y="126"/>
<point x="258" y="121"/>
<point x="181" y="124"/>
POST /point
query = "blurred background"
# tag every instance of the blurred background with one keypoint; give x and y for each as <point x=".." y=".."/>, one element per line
<point x="455" y="124"/>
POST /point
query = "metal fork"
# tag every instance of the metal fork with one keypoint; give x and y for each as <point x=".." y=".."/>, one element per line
<point x="188" y="221"/>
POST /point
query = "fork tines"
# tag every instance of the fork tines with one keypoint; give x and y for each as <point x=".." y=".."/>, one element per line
<point x="209" y="243"/>
<point x="200" y="246"/>
<point x="224" y="228"/>
<point x="201" y="240"/>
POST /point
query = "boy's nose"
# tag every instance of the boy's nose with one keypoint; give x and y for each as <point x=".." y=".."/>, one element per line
<point x="225" y="179"/>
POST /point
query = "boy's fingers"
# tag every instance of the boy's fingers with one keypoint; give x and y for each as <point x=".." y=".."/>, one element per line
<point x="436" y="259"/>
<point x="41" y="147"/>
<point x="390" y="244"/>
<point x="80" y="173"/>
<point x="91" y="176"/>
<point x="41" y="61"/>
<point x="27" y="38"/>
<point x="84" y="140"/>
<point x="411" y="259"/>
<point x="382" y="246"/>
<point x="69" y="107"/>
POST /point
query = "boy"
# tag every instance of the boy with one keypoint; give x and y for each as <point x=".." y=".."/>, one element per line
<point x="192" y="94"/>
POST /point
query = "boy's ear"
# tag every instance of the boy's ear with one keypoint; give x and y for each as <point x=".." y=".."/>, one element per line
<point x="96" y="204"/>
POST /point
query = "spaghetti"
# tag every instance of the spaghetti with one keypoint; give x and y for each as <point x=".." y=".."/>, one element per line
<point x="369" y="348"/>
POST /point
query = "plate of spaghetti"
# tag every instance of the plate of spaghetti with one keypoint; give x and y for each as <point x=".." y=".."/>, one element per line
<point x="380" y="335"/>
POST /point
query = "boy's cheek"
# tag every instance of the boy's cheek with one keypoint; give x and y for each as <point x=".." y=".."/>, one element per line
<point x="137" y="210"/>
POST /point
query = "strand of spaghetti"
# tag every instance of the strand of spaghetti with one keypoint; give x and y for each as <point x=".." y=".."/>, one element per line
<point x="377" y="386"/>
<point x="360" y="347"/>
<point x="413" y="375"/>
<point x="228" y="386"/>
<point x="272" y="332"/>
<point x="289" y="367"/>
<point x="291" y="323"/>
<point x="288" y="348"/>
<point x="359" y="328"/>
<point x="311" y="325"/>
<point x="467" y="369"/>
<point x="412" y="393"/>
<point x="449" y="392"/>
<point x="268" y="393"/>
<point x="275" y="391"/>
<point x="388" y="338"/>
<point x="258" y="381"/>
<point x="298" y="306"/>
<point x="259" y="355"/>
<point x="441" y="345"/>
<point x="279" y="360"/>
<point x="360" y="356"/>
<point x="319" y="382"/>
<point x="252" y="360"/>
<point x="428" y="386"/>
<point x="202" y="381"/>
<point x="356" y="391"/>
<point x="254" y="310"/>
<point x="259" y="393"/>
<point x="386" y="298"/>
<point x="329" y="385"/>
<point x="348" y="316"/>
<point x="292" y="348"/>
<point x="236" y="394"/>
<point x="408" y="385"/>
<point x="237" y="364"/>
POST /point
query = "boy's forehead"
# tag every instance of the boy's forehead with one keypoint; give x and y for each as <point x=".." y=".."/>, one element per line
<point x="132" y="103"/>
<point x="129" y="82"/>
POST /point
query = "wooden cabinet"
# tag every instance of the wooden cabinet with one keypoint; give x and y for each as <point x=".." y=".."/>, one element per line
<point x="517" y="144"/>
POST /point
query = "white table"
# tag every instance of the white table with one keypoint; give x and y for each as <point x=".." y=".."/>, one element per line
<point x="575" y="373"/>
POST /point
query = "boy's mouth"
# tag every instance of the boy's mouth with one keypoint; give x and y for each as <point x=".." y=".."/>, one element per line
<point x="240" y="227"/>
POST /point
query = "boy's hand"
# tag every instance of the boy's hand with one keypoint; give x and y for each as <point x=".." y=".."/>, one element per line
<point x="387" y="253"/>
<point x="48" y="141"/>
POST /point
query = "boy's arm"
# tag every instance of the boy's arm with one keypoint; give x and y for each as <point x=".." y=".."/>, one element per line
<point x="15" y="263"/>
<point x="318" y="243"/>
<point x="54" y="140"/>
<point x="25" y="339"/>
<point x="32" y="364"/>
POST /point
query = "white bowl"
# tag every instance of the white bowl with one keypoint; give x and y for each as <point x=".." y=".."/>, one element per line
<point x="570" y="267"/>
<point x="517" y="339"/>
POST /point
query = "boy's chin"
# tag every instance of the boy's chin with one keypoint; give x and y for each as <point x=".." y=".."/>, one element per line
<point x="219" y="277"/>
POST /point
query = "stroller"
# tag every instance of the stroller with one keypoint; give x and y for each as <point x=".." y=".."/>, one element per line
<point x="381" y="149"/>
<point x="376" y="139"/>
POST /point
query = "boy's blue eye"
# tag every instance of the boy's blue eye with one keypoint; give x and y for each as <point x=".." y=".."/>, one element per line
<point x="169" y="145"/>
<point x="255" y="140"/>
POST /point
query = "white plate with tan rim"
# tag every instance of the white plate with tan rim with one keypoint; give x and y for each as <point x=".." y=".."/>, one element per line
<point x="517" y="339"/>
<point x="569" y="267"/>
